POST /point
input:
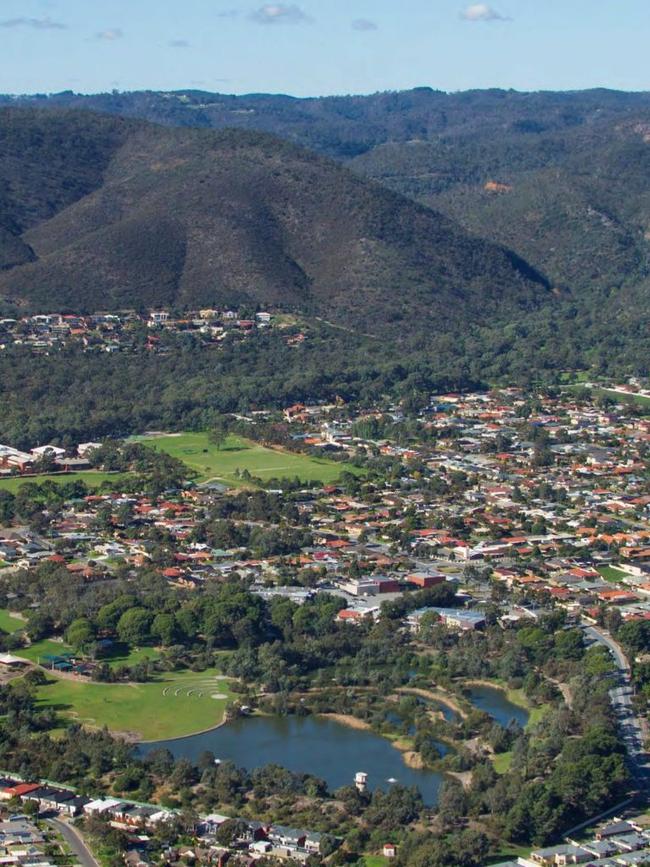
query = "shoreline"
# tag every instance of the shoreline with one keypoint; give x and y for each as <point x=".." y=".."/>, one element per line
<point x="509" y="693"/>
<point x="352" y="722"/>
<point x="213" y="728"/>
<point x="410" y="757"/>
<point x="436" y="695"/>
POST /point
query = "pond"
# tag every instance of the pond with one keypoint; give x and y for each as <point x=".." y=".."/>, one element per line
<point x="311" y="745"/>
<point x="495" y="702"/>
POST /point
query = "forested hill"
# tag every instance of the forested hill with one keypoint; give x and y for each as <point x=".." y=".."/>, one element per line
<point x="99" y="212"/>
<point x="347" y="126"/>
<point x="560" y="178"/>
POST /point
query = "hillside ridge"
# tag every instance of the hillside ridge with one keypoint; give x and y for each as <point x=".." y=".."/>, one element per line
<point x="124" y="213"/>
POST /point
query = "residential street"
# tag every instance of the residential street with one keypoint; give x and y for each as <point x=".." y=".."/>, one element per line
<point x="75" y="841"/>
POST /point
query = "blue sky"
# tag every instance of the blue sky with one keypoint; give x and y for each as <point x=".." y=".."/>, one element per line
<point x="314" y="47"/>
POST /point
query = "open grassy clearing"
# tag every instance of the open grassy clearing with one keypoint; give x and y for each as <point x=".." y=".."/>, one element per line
<point x="618" y="396"/>
<point x="90" y="477"/>
<point x="502" y="762"/>
<point x="611" y="573"/>
<point x="509" y="852"/>
<point x="576" y="377"/>
<point x="9" y="623"/>
<point x="621" y="397"/>
<point x="174" y="705"/>
<point x="37" y="651"/>
<point x="212" y="463"/>
<point x="119" y="654"/>
<point x="375" y="860"/>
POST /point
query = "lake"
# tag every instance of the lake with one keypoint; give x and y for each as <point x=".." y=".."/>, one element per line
<point x="309" y="745"/>
<point x="495" y="702"/>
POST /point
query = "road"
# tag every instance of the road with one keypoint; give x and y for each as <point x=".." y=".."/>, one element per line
<point x="75" y="841"/>
<point x="621" y="695"/>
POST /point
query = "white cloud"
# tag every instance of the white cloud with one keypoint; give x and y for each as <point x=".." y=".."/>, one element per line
<point x="279" y="13"/>
<point x="482" y="12"/>
<point x="110" y="35"/>
<point x="364" y="24"/>
<point x="33" y="23"/>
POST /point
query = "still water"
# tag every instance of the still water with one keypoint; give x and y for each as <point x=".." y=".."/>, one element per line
<point x="495" y="702"/>
<point x="313" y="745"/>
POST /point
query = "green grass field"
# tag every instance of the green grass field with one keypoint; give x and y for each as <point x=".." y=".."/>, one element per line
<point x="508" y="852"/>
<point x="121" y="655"/>
<point x="611" y="573"/>
<point x="40" y="649"/>
<point x="502" y="762"/>
<point x="91" y="478"/>
<point x="618" y="396"/>
<point x="641" y="399"/>
<point x="8" y="623"/>
<point x="211" y="463"/>
<point x="375" y="861"/>
<point x="175" y="705"/>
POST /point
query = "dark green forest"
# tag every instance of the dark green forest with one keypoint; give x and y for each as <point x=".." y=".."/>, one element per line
<point x="71" y="396"/>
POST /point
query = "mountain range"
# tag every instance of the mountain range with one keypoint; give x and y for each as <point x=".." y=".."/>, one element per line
<point x="559" y="178"/>
<point x="418" y="207"/>
<point x="98" y="212"/>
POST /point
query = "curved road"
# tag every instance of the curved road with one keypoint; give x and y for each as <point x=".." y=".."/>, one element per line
<point x="75" y="841"/>
<point x="621" y="696"/>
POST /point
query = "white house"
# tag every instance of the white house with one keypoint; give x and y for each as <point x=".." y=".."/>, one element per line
<point x="84" y="449"/>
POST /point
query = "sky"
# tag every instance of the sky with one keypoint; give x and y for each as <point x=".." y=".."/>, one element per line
<point x="317" y="47"/>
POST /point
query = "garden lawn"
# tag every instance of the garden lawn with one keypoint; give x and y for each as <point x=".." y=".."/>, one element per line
<point x="212" y="463"/>
<point x="91" y="478"/>
<point x="175" y="705"/>
<point x="375" y="861"/>
<point x="8" y="623"/>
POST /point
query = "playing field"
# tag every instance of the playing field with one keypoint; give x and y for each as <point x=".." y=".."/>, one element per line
<point x="9" y="623"/>
<point x="627" y="398"/>
<point x="221" y="465"/>
<point x="178" y="704"/>
<point x="619" y="396"/>
<point x="91" y="478"/>
<point x="611" y="573"/>
<point x="38" y="651"/>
